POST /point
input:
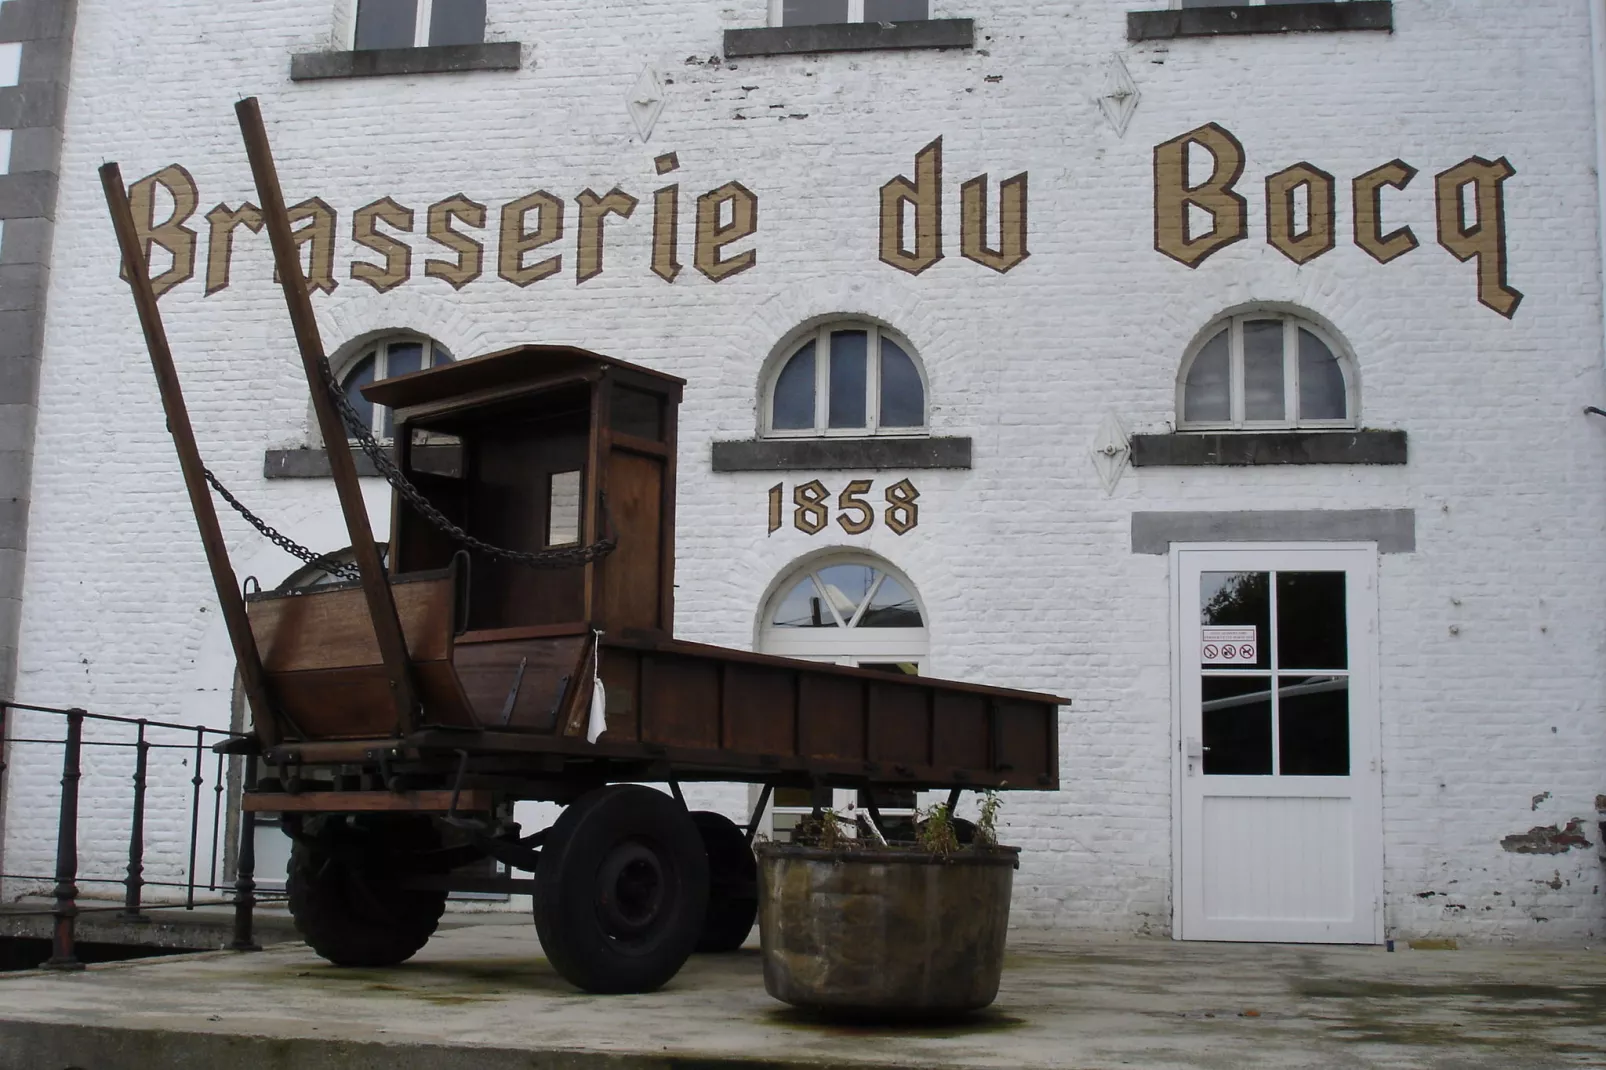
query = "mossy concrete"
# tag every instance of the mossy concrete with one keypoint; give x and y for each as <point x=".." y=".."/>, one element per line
<point x="482" y="996"/>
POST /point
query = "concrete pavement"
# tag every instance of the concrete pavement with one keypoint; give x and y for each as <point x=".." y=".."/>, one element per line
<point x="481" y="996"/>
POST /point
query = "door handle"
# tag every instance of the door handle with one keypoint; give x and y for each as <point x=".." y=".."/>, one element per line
<point x="1196" y="749"/>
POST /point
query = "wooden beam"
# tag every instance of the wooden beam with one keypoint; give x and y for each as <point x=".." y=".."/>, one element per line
<point x="314" y="362"/>
<point x="246" y="656"/>
<point x="348" y="802"/>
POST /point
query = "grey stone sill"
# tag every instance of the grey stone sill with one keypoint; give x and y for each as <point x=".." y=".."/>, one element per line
<point x="309" y="464"/>
<point x="835" y="454"/>
<point x="433" y="59"/>
<point x="1207" y="448"/>
<point x="849" y="37"/>
<point x="1273" y="18"/>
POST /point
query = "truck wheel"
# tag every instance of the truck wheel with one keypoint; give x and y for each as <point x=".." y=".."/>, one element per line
<point x="343" y="897"/>
<point x="621" y="890"/>
<point x="732" y="883"/>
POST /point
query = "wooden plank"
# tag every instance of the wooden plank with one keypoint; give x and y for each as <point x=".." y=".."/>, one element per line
<point x="831" y="714"/>
<point x="959" y="731"/>
<point x="645" y="642"/>
<point x="680" y="702"/>
<point x="575" y="717"/>
<point x="533" y="631"/>
<point x="551" y="670"/>
<point x="1019" y="741"/>
<point x="632" y="574"/>
<point x="386" y="625"/>
<point x="329" y="629"/>
<point x="898" y="725"/>
<point x="246" y="656"/>
<point x="336" y="802"/>
<point x="343" y="703"/>
<point x="621" y="679"/>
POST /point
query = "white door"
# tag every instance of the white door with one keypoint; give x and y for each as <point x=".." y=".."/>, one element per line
<point x="1279" y="822"/>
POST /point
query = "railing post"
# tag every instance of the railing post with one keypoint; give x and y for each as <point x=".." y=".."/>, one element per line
<point x="136" y="836"/>
<point x="245" y="868"/>
<point x="195" y="813"/>
<point x="63" y="956"/>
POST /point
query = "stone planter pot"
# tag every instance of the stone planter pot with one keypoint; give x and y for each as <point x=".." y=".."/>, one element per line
<point x="881" y="932"/>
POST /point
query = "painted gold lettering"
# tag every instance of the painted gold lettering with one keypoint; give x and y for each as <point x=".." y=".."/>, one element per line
<point x="171" y="234"/>
<point x="713" y="237"/>
<point x="1173" y="196"/>
<point x="1301" y="244"/>
<point x="516" y="239"/>
<point x="923" y="197"/>
<point x="220" y="240"/>
<point x="1011" y="248"/>
<point x="1485" y="239"/>
<point x="319" y="237"/>
<point x="1368" y="188"/>
<point x="398" y="254"/>
<point x="470" y="253"/>
<point x="594" y="211"/>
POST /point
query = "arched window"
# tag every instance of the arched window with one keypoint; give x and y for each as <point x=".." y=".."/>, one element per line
<point x="851" y="610"/>
<point x="383" y="359"/>
<point x="1261" y="370"/>
<point x="847" y="378"/>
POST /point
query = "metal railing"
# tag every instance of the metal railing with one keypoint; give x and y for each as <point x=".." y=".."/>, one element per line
<point x="143" y="736"/>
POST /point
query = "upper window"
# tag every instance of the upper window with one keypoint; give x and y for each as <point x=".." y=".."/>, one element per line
<point x="847" y="379"/>
<point x="814" y="12"/>
<point x="1266" y="370"/>
<point x="412" y="23"/>
<point x="389" y="357"/>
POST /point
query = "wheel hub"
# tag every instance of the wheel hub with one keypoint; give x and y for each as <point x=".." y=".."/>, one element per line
<point x="631" y="890"/>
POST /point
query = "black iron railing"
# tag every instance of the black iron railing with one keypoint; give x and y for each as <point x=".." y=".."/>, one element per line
<point x="144" y="737"/>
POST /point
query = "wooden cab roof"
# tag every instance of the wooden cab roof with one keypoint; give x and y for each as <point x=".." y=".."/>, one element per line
<point x="512" y="370"/>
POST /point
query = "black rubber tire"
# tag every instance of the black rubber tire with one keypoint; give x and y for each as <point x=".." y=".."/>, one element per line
<point x="621" y="890"/>
<point x="343" y="897"/>
<point x="732" y="883"/>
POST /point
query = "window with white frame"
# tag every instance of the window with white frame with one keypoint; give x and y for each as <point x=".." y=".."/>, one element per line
<point x="415" y="23"/>
<point x="814" y="12"/>
<point x="1266" y="370"/>
<point x="846" y="378"/>
<point x="385" y="359"/>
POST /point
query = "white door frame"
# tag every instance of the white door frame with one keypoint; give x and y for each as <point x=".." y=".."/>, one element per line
<point x="1365" y="703"/>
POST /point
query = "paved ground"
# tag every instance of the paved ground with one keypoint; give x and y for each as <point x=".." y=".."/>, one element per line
<point x="482" y="996"/>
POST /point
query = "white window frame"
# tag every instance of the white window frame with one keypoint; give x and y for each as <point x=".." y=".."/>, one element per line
<point x="1292" y="325"/>
<point x="821" y="337"/>
<point x="380" y="348"/>
<point x="422" y="17"/>
<point x="855" y="12"/>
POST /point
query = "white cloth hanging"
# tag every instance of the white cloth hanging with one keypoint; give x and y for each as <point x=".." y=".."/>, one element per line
<point x="599" y="696"/>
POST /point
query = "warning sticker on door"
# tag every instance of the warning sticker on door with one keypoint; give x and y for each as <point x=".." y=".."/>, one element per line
<point x="1228" y="646"/>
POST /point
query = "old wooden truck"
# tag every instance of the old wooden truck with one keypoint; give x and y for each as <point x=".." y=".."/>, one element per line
<point x="519" y="645"/>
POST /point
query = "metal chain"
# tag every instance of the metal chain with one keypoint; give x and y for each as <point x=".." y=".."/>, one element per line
<point x="357" y="428"/>
<point x="322" y="562"/>
<point x="564" y="557"/>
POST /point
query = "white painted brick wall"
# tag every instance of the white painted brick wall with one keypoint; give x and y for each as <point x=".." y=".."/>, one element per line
<point x="1023" y="562"/>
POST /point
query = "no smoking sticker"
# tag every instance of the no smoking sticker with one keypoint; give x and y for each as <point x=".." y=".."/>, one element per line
<point x="1228" y="646"/>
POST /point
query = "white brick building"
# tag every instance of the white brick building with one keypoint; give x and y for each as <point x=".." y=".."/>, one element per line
<point x="1452" y="460"/>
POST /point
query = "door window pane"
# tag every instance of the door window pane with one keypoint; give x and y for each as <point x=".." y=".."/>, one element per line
<point x="1207" y="398"/>
<point x="794" y="393"/>
<point x="892" y="607"/>
<point x="386" y="23"/>
<point x="810" y="12"/>
<point x="1311" y="631"/>
<point x="803" y="608"/>
<point x="1241" y="599"/>
<point x="849" y="355"/>
<point x="1313" y="728"/>
<point x="1237" y="725"/>
<point x="846" y="586"/>
<point x="894" y="10"/>
<point x="1322" y="395"/>
<point x="457" y="22"/>
<point x="1263" y="370"/>
<point x="903" y="399"/>
<point x="636" y="412"/>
